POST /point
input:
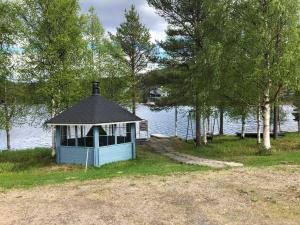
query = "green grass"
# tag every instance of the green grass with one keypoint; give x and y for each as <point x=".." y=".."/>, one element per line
<point x="36" y="167"/>
<point x="284" y="150"/>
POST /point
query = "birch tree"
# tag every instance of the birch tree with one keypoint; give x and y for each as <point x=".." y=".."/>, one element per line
<point x="53" y="50"/>
<point x="12" y="109"/>
<point x="270" y="37"/>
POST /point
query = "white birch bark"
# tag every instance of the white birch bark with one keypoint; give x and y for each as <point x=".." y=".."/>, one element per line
<point x="266" y="120"/>
<point x="204" y="131"/>
<point x="176" y="121"/>
<point x="258" y="140"/>
<point x="298" y="122"/>
<point x="243" y="133"/>
<point x="53" y="150"/>
<point x="208" y="125"/>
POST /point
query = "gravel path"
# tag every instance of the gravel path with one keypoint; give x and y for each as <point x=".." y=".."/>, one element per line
<point x="164" y="147"/>
<point x="238" y="196"/>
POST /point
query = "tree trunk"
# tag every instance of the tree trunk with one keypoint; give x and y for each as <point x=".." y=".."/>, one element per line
<point x="208" y="125"/>
<point x="53" y="150"/>
<point x="176" y="120"/>
<point x="198" y="126"/>
<point x="8" y="139"/>
<point x="204" y="131"/>
<point x="275" y="120"/>
<point x="243" y="132"/>
<point x="266" y="120"/>
<point x="258" y="140"/>
<point x="7" y="123"/>
<point x="133" y="90"/>
<point x="221" y="131"/>
<point x="133" y="103"/>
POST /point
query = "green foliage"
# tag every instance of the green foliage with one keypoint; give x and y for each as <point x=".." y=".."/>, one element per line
<point x="192" y="48"/>
<point x="53" y="49"/>
<point x="12" y="108"/>
<point x="103" y="62"/>
<point x="134" y="38"/>
<point x="234" y="55"/>
<point x="268" y="43"/>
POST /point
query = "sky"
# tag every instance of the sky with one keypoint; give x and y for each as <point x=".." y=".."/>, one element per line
<point x="111" y="14"/>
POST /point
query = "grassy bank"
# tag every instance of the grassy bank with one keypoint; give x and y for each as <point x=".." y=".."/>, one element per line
<point x="36" y="167"/>
<point x="285" y="150"/>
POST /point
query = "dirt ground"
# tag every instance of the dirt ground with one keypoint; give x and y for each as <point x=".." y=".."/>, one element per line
<point x="235" y="196"/>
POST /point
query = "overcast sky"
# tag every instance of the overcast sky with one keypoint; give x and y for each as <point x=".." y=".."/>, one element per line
<point x="111" y="14"/>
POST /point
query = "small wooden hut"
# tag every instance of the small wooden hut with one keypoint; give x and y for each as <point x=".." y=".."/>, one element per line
<point x="94" y="132"/>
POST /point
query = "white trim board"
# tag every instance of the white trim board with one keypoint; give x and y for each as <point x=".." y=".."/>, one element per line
<point x="97" y="124"/>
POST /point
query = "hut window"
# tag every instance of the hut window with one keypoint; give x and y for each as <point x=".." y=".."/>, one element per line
<point x="68" y="136"/>
<point x="85" y="136"/>
<point x="107" y="135"/>
<point x="123" y="133"/>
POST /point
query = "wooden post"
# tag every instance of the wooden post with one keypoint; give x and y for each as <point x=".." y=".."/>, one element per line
<point x="57" y="143"/>
<point x="76" y="136"/>
<point x="133" y="138"/>
<point x="115" y="133"/>
<point x="96" y="147"/>
<point x="96" y="136"/>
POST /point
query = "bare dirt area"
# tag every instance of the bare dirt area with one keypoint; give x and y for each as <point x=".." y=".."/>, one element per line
<point x="235" y="196"/>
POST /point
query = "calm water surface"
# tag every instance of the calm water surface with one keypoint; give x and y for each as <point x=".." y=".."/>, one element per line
<point x="161" y="122"/>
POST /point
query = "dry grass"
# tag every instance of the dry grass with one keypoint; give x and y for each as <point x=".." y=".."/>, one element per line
<point x="269" y="195"/>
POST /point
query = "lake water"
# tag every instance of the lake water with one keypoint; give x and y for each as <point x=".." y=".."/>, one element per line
<point x="159" y="122"/>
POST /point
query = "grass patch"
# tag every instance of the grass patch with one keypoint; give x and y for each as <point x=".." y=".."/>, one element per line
<point x="285" y="150"/>
<point x="36" y="167"/>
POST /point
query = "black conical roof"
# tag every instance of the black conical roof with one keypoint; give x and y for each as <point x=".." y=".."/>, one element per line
<point x="94" y="110"/>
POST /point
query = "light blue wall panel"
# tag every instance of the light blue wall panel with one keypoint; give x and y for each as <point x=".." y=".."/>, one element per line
<point x="75" y="155"/>
<point x="115" y="153"/>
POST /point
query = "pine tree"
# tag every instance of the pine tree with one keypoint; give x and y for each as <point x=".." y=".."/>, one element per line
<point x="134" y="39"/>
<point x="103" y="61"/>
<point x="188" y="47"/>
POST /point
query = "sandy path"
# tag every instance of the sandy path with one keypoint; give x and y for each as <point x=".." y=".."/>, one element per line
<point x="165" y="146"/>
<point x="236" y="196"/>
